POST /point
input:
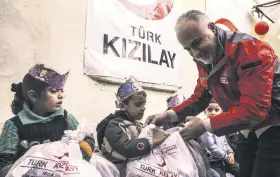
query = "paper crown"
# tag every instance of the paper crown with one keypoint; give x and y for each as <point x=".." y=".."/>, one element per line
<point x="48" y="76"/>
<point x="127" y="89"/>
<point x="175" y="101"/>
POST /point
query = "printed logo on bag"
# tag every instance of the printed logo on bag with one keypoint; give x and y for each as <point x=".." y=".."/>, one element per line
<point x="140" y="146"/>
<point x="65" y="166"/>
<point x="66" y="154"/>
<point x="154" y="171"/>
<point x="163" y="164"/>
<point x="48" y="167"/>
<point x="224" y="80"/>
<point x="278" y="84"/>
<point x="166" y="150"/>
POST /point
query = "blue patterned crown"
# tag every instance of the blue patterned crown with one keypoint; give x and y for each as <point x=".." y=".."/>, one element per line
<point x="175" y="101"/>
<point x="127" y="89"/>
<point x="48" y="76"/>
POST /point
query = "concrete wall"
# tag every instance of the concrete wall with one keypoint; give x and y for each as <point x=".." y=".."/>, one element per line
<point x="52" y="32"/>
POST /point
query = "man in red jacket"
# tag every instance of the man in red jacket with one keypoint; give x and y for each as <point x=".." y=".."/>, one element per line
<point x="242" y="74"/>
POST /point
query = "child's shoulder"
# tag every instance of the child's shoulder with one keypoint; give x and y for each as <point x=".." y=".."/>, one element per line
<point x="13" y="121"/>
<point x="114" y="119"/>
<point x="10" y="125"/>
<point x="9" y="137"/>
<point x="120" y="118"/>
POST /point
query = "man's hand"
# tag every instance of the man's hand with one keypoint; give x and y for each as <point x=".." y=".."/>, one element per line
<point x="230" y="158"/>
<point x="158" y="119"/>
<point x="193" y="128"/>
<point x="158" y="138"/>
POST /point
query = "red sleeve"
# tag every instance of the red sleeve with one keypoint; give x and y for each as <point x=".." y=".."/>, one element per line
<point x="197" y="103"/>
<point x="255" y="78"/>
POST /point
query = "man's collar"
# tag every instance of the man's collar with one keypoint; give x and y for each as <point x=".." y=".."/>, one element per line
<point x="221" y="41"/>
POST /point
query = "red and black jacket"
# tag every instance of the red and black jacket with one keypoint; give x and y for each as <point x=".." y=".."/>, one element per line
<point x="245" y="82"/>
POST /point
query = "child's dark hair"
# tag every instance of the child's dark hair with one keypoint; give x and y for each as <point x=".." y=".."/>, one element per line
<point x="213" y="101"/>
<point x="21" y="92"/>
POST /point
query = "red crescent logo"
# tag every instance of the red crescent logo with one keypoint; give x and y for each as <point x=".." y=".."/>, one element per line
<point x="66" y="154"/>
<point x="157" y="11"/>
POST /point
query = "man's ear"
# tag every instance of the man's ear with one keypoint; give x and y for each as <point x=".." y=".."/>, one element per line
<point x="212" y="27"/>
<point x="33" y="96"/>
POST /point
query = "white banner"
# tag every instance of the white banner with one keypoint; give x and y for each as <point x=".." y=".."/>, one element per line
<point x="129" y="37"/>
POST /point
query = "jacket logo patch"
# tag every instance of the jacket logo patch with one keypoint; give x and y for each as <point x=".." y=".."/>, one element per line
<point x="140" y="146"/>
<point x="224" y="80"/>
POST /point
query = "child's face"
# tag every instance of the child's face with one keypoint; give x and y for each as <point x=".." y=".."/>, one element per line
<point x="135" y="107"/>
<point x="212" y="110"/>
<point x="50" y="101"/>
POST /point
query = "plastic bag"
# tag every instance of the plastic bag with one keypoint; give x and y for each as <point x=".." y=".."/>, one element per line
<point x="105" y="167"/>
<point x="60" y="158"/>
<point x="163" y="160"/>
<point x="199" y="156"/>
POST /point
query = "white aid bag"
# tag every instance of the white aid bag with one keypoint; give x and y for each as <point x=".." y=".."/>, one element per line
<point x="57" y="159"/>
<point x="170" y="159"/>
<point x="105" y="167"/>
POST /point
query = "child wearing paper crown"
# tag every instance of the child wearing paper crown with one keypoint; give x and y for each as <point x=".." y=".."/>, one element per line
<point x="39" y="116"/>
<point x="174" y="101"/>
<point x="117" y="134"/>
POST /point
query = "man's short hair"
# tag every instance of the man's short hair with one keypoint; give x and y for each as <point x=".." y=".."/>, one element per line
<point x="195" y="15"/>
